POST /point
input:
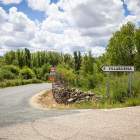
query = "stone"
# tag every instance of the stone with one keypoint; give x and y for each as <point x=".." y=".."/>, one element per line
<point x="87" y="97"/>
<point x="88" y="92"/>
<point x="75" y="95"/>
<point x="69" y="95"/>
<point x="70" y="100"/>
<point x="81" y="101"/>
<point x="92" y="94"/>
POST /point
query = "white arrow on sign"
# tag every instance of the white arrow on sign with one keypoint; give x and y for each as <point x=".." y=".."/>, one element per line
<point x="118" y="68"/>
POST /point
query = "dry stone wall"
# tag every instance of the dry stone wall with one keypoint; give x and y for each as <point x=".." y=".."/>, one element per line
<point x="69" y="95"/>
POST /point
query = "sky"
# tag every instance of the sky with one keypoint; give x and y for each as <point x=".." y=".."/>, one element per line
<point x="63" y="26"/>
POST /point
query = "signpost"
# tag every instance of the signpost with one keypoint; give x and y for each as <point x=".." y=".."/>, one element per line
<point x="52" y="74"/>
<point x="108" y="69"/>
<point x="52" y="69"/>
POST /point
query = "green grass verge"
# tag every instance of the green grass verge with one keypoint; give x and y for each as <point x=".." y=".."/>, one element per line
<point x="102" y="104"/>
<point x="17" y="82"/>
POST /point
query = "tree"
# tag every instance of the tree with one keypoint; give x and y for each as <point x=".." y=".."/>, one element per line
<point x="137" y="45"/>
<point x="9" y="57"/>
<point x="88" y="64"/>
<point x="27" y="57"/>
<point x="78" y="60"/>
<point x="121" y="48"/>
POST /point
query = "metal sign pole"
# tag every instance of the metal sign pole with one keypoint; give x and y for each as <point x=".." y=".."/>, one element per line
<point x="129" y="69"/>
<point x="107" y="85"/>
<point x="130" y="82"/>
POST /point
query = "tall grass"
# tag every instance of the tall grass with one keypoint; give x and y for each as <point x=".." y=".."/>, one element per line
<point x="17" y="82"/>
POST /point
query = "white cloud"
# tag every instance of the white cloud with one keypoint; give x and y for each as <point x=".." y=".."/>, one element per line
<point x="3" y="15"/>
<point x="40" y="5"/>
<point x="133" y="6"/>
<point x="22" y="25"/>
<point x="6" y="2"/>
<point x="97" y="51"/>
<point x="82" y="25"/>
<point x="53" y="25"/>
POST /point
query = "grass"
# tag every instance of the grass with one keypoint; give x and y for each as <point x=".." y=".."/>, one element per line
<point x="16" y="82"/>
<point x="102" y="104"/>
<point x="46" y="93"/>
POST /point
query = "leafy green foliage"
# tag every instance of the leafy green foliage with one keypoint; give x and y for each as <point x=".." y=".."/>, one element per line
<point x="43" y="70"/>
<point x="121" y="47"/>
<point x="88" y="64"/>
<point x="78" y="60"/>
<point x="13" y="69"/>
<point x="27" y="73"/>
<point x="1" y="78"/>
<point x="46" y="77"/>
<point x="17" y="82"/>
<point x="7" y="74"/>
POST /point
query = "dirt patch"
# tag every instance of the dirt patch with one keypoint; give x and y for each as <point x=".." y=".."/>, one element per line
<point x="45" y="100"/>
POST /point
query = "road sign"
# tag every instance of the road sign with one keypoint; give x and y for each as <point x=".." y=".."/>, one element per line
<point x="118" y="68"/>
<point x="52" y="69"/>
<point x="52" y="73"/>
<point x="51" y="79"/>
<point x="108" y="69"/>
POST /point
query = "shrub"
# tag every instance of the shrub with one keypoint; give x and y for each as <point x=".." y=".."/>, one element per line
<point x="26" y="73"/>
<point x="2" y="85"/>
<point x="1" y="78"/>
<point x="22" y="82"/>
<point x="46" y="77"/>
<point x="7" y="74"/>
<point x="43" y="70"/>
<point x="94" y="80"/>
<point x="36" y="81"/>
<point x="8" y="84"/>
<point x="27" y="82"/>
<point x="35" y="70"/>
<point x="17" y="83"/>
<point x="13" y="69"/>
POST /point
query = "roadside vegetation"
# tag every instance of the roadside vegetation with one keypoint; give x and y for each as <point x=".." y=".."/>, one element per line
<point x="82" y="71"/>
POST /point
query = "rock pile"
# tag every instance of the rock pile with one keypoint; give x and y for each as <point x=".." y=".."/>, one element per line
<point x="69" y="95"/>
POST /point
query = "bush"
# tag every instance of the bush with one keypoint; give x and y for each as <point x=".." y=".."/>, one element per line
<point x="27" y="73"/>
<point x="1" y="78"/>
<point x="35" y="70"/>
<point x="13" y="69"/>
<point x="8" y="84"/>
<point x="22" y="82"/>
<point x="36" y="81"/>
<point x="43" y="70"/>
<point x="94" y="80"/>
<point x="46" y="77"/>
<point x="2" y="85"/>
<point x="7" y="74"/>
<point x="17" y="83"/>
<point x="28" y="82"/>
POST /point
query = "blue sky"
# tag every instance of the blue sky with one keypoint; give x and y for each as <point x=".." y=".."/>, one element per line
<point x="63" y="26"/>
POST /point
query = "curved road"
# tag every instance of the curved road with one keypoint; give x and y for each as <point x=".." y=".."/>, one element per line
<point x="20" y="121"/>
<point x="15" y="107"/>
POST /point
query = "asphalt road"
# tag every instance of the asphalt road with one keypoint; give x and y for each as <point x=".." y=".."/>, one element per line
<point x="20" y="121"/>
<point x="15" y="107"/>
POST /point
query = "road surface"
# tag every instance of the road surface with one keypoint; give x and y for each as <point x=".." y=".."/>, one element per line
<point x="20" y="121"/>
